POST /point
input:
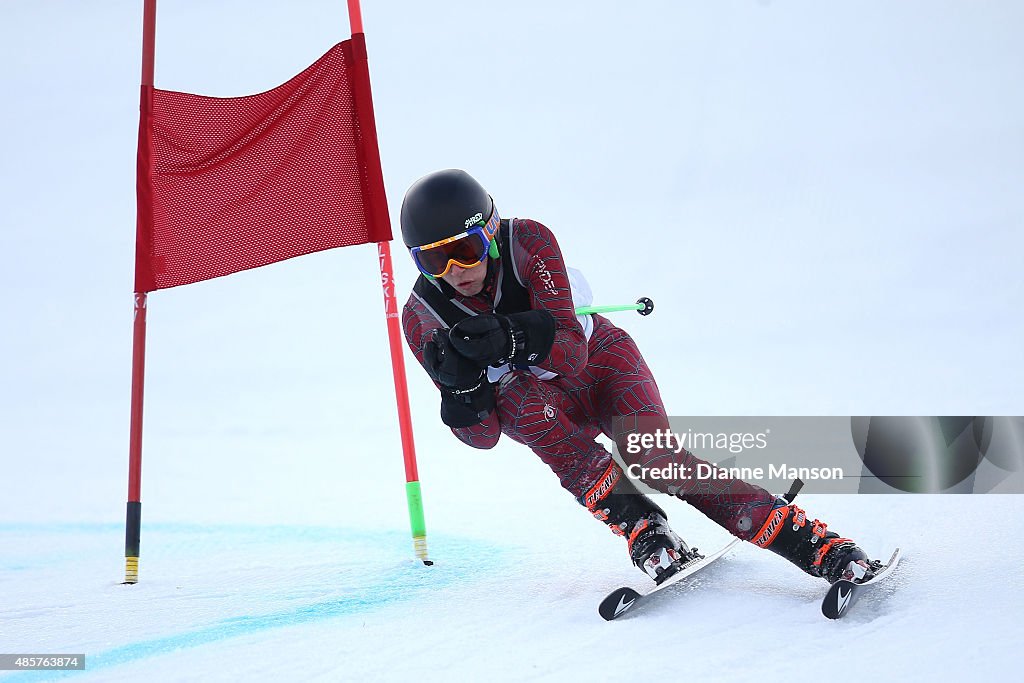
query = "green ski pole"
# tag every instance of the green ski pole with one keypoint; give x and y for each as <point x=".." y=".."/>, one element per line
<point x="643" y="306"/>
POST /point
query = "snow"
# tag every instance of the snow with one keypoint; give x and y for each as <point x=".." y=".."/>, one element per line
<point x="824" y="206"/>
<point x="273" y="602"/>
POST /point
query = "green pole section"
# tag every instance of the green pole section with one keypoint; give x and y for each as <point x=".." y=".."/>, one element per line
<point x="586" y="310"/>
<point x="416" y="521"/>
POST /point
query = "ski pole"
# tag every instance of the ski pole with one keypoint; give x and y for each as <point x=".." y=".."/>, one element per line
<point x="643" y="306"/>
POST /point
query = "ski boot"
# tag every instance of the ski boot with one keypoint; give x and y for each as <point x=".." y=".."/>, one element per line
<point x="811" y="546"/>
<point x="653" y="546"/>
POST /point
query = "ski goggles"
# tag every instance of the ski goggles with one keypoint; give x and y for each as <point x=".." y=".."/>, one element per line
<point x="467" y="249"/>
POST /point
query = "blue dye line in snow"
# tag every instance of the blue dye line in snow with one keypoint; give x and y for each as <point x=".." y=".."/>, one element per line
<point x="401" y="583"/>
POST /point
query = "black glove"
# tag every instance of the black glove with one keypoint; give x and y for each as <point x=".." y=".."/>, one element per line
<point x="467" y="398"/>
<point x="493" y="339"/>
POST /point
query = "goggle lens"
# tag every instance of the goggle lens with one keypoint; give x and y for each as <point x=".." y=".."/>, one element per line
<point x="466" y="251"/>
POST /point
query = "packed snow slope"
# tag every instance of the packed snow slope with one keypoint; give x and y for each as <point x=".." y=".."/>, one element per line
<point x="281" y="602"/>
<point x="822" y="199"/>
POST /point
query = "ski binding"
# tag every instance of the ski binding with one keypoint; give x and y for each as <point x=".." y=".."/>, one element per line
<point x="620" y="600"/>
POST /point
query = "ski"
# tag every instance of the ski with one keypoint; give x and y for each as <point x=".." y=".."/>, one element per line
<point x="623" y="599"/>
<point x="843" y="593"/>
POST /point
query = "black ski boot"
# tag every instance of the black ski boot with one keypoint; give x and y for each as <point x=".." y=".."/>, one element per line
<point x="811" y="546"/>
<point x="654" y="547"/>
<point x="651" y="543"/>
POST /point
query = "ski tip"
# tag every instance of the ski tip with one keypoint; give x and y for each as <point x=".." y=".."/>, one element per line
<point x="843" y="593"/>
<point x="839" y="597"/>
<point x="617" y="603"/>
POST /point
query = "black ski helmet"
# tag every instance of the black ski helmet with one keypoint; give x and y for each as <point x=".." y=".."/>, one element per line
<point x="442" y="204"/>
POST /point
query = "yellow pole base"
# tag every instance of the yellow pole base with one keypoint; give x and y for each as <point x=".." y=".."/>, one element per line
<point x="131" y="570"/>
<point x="419" y="546"/>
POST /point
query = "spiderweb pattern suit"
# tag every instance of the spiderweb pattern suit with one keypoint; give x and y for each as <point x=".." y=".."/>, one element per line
<point x="603" y="385"/>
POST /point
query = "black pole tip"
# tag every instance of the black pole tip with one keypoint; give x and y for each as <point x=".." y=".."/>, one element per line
<point x="648" y="305"/>
<point x="429" y="563"/>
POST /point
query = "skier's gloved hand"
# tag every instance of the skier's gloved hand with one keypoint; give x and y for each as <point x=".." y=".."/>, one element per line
<point x="493" y="339"/>
<point x="446" y="366"/>
<point x="467" y="398"/>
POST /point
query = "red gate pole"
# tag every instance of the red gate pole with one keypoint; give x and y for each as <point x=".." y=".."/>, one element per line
<point x="133" y="516"/>
<point x="378" y="209"/>
<point x="413" y="495"/>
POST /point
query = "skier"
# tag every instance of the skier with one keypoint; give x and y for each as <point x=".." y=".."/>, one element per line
<point x="491" y="319"/>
